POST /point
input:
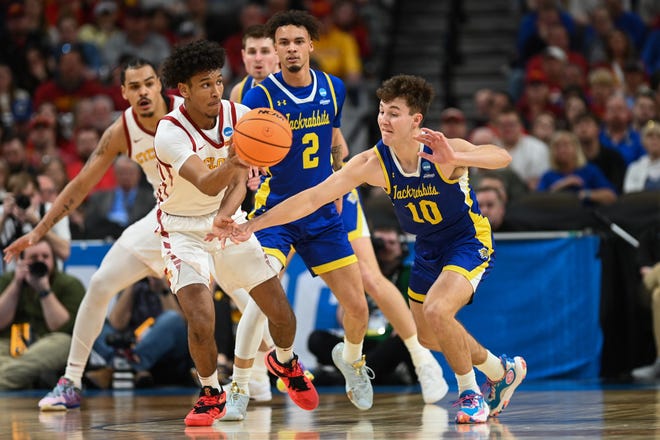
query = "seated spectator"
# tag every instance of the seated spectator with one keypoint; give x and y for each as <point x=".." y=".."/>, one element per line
<point x="529" y="155"/>
<point x="145" y="326"/>
<point x="37" y="309"/>
<point x="648" y="259"/>
<point x="70" y="83"/>
<point x="453" y="123"/>
<point x="620" y="52"/>
<point x="85" y="140"/>
<point x="602" y="86"/>
<point x="43" y="142"/>
<point x="595" y="35"/>
<point x="107" y="213"/>
<point x="644" y="109"/>
<point x="21" y="210"/>
<point x="512" y="185"/>
<point x="384" y="350"/>
<point x="544" y="125"/>
<point x="617" y="131"/>
<point x="609" y="161"/>
<point x="337" y="51"/>
<point x="15" y="154"/>
<point x="536" y="98"/>
<point x="628" y="21"/>
<point x="575" y="104"/>
<point x="634" y="81"/>
<point x="15" y="103"/>
<point x="644" y="173"/>
<point x="136" y="39"/>
<point x="103" y="26"/>
<point x="67" y="33"/>
<point x="570" y="171"/>
<point x="493" y="206"/>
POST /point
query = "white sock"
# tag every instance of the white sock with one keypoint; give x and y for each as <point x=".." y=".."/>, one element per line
<point x="467" y="381"/>
<point x="259" y="366"/>
<point x="211" y="381"/>
<point x="492" y="368"/>
<point x="352" y="352"/>
<point x="418" y="354"/>
<point x="284" y="355"/>
<point x="241" y="376"/>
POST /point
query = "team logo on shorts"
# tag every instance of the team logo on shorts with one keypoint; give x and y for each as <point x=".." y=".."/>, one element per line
<point x="227" y="131"/>
<point x="483" y="253"/>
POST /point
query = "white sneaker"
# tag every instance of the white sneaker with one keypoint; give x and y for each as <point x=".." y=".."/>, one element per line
<point x="236" y="406"/>
<point x="260" y="390"/>
<point x="648" y="372"/>
<point x="358" y="378"/>
<point x="434" y="385"/>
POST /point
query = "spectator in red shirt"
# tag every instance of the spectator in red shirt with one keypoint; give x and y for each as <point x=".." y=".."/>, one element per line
<point x="70" y="83"/>
<point x="85" y="140"/>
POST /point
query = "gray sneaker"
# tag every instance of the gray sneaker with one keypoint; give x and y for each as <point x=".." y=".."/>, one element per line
<point x="358" y="378"/>
<point x="648" y="372"/>
<point x="237" y="402"/>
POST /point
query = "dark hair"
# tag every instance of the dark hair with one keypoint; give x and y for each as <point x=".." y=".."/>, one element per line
<point x="586" y="116"/>
<point x="416" y="91"/>
<point x="133" y="63"/>
<point x="293" y="18"/>
<point x="191" y="59"/>
<point x="255" y="31"/>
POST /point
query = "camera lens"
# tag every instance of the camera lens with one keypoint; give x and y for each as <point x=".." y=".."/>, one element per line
<point x="23" y="201"/>
<point x="38" y="269"/>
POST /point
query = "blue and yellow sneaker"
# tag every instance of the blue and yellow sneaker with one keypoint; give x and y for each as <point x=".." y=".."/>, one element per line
<point x="498" y="394"/>
<point x="472" y="408"/>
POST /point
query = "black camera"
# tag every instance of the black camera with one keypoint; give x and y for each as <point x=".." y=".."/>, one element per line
<point x="378" y="244"/>
<point x="38" y="269"/>
<point x="23" y="201"/>
<point x="120" y="340"/>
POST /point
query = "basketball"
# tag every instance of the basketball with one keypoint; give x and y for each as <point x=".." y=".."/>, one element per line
<point x="262" y="137"/>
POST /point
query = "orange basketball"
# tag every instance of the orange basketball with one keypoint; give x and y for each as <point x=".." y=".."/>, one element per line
<point x="262" y="137"/>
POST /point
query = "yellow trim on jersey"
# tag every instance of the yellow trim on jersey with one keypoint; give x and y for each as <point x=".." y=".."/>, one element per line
<point x="332" y="92"/>
<point x="241" y="89"/>
<point x="417" y="297"/>
<point x="277" y="254"/>
<point x="437" y="168"/>
<point x="260" y="196"/>
<point x="337" y="264"/>
<point x="270" y="100"/>
<point x="382" y="166"/>
<point x="360" y="220"/>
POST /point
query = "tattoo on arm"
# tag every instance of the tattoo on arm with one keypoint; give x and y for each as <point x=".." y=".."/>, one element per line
<point x="336" y="157"/>
<point x="66" y="208"/>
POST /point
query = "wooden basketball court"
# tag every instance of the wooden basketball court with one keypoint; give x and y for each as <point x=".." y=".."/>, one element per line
<point x="544" y="411"/>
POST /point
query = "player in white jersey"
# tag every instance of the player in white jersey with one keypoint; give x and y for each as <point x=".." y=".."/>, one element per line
<point x="199" y="175"/>
<point x="136" y="253"/>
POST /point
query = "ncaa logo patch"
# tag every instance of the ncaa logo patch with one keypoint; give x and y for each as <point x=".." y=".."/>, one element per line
<point x="426" y="167"/>
<point x="323" y="92"/>
<point x="227" y="131"/>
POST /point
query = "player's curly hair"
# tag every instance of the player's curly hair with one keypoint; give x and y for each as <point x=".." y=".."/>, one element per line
<point x="191" y="59"/>
<point x="415" y="90"/>
<point x="293" y="18"/>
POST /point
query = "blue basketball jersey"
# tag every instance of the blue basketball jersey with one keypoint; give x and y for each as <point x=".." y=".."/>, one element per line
<point x="245" y="86"/>
<point x="313" y="111"/>
<point x="428" y="204"/>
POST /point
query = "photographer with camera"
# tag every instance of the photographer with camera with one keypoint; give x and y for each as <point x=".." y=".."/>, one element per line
<point x="386" y="353"/>
<point x="38" y="305"/>
<point x="22" y="208"/>
<point x="145" y="334"/>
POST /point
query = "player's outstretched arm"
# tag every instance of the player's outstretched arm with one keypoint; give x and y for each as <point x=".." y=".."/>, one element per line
<point x="112" y="143"/>
<point x="461" y="153"/>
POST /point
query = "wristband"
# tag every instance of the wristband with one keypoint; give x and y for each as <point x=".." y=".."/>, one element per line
<point x="44" y="293"/>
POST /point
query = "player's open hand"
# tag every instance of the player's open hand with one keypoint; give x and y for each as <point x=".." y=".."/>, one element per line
<point x="443" y="153"/>
<point x="14" y="249"/>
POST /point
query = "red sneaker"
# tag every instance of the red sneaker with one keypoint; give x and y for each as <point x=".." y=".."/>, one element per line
<point x="209" y="407"/>
<point x="300" y="388"/>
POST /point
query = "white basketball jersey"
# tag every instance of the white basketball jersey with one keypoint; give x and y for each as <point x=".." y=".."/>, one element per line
<point x="177" y="138"/>
<point x="140" y="142"/>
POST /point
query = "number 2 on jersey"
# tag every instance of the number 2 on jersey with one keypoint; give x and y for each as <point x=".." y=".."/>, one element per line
<point x="309" y="158"/>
